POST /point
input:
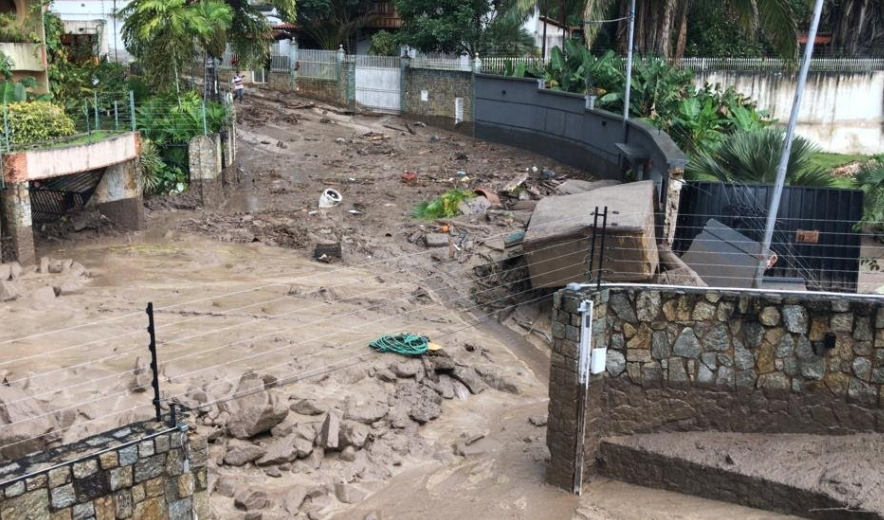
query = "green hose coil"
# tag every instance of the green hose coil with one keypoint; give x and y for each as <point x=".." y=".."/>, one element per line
<point x="404" y="344"/>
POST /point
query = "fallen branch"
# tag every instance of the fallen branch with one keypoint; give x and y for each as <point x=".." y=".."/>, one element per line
<point x="396" y="128"/>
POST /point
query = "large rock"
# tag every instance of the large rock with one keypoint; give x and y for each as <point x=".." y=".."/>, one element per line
<point x="422" y="403"/>
<point x="348" y="493"/>
<point x="240" y="453"/>
<point x="279" y="451"/>
<point x="310" y="407"/>
<point x="24" y="424"/>
<point x="294" y="499"/>
<point x="408" y="368"/>
<point x="497" y="380"/>
<point x="470" y="378"/>
<point x="9" y="291"/>
<point x="354" y="434"/>
<point x="366" y="411"/>
<point x="257" y="411"/>
<point x="252" y="499"/>
<point x="444" y="386"/>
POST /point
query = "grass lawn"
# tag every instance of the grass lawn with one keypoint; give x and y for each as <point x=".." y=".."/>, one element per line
<point x="830" y="161"/>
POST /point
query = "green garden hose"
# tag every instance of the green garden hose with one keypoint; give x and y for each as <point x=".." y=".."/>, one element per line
<point x="404" y="344"/>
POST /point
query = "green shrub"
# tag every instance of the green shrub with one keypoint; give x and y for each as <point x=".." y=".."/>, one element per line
<point x="383" y="43"/>
<point x="445" y="206"/>
<point x="36" y="122"/>
<point x="166" y="120"/>
<point x="752" y="157"/>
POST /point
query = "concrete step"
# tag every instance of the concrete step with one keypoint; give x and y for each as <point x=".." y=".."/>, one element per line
<point x="604" y="499"/>
<point x="811" y="476"/>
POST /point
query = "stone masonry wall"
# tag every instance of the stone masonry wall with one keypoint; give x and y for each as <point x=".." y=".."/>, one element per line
<point x="442" y="87"/>
<point x="696" y="360"/>
<point x="126" y="479"/>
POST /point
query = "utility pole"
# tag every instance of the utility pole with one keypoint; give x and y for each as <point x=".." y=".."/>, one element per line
<point x="787" y="147"/>
<point x="631" y="41"/>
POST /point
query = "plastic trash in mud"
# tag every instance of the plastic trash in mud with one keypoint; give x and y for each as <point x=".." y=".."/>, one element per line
<point x="409" y="177"/>
<point x="330" y="198"/>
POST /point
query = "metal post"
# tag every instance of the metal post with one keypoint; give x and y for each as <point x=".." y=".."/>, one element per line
<point x="154" y="367"/>
<point x="595" y="228"/>
<point x="293" y="64"/>
<point x="95" y="108"/>
<point x="787" y="148"/>
<point x="86" y="113"/>
<point x="583" y="370"/>
<point x="173" y="415"/>
<point x="602" y="249"/>
<point x="631" y="41"/>
<point x="6" y="128"/>
<point x="116" y="115"/>
<point x="205" y="125"/>
<point x="132" y="108"/>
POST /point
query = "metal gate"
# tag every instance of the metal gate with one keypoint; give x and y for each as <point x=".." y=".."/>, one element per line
<point x="378" y="83"/>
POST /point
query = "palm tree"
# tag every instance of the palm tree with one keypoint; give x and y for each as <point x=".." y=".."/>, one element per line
<point x="167" y="34"/>
<point x="211" y="25"/>
<point x="752" y="157"/>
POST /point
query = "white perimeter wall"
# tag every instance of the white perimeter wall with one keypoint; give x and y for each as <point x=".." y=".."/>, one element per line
<point x="842" y="112"/>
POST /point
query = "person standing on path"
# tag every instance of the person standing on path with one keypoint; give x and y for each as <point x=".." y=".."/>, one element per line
<point x="238" y="87"/>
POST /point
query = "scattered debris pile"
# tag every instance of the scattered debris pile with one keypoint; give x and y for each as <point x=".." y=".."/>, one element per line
<point x="325" y="448"/>
<point x="45" y="282"/>
<point x="83" y="222"/>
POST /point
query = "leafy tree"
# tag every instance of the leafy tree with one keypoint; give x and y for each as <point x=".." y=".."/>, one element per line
<point x="332" y="23"/>
<point x="463" y="26"/>
<point x="445" y="26"/>
<point x="752" y="157"/>
<point x="383" y="43"/>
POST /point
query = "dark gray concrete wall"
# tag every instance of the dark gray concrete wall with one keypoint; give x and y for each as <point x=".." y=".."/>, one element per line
<point x="516" y="112"/>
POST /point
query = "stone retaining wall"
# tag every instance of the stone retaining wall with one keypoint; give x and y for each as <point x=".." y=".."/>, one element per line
<point x="128" y="478"/>
<point x="429" y="95"/>
<point x="696" y="360"/>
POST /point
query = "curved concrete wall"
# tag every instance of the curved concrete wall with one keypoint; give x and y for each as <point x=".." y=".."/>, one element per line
<point x="842" y="112"/>
<point x="558" y="125"/>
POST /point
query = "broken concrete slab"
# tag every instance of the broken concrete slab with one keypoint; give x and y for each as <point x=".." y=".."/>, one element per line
<point x="436" y="240"/>
<point x="329" y="436"/>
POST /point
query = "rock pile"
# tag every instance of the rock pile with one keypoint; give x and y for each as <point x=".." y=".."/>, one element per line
<point x="340" y="448"/>
<point x="16" y="282"/>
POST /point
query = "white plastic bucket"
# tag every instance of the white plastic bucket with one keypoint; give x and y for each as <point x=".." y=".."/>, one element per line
<point x="330" y="198"/>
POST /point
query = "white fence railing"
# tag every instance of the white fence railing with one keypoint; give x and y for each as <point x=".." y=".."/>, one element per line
<point x="322" y="64"/>
<point x="317" y="64"/>
<point x="779" y="65"/>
